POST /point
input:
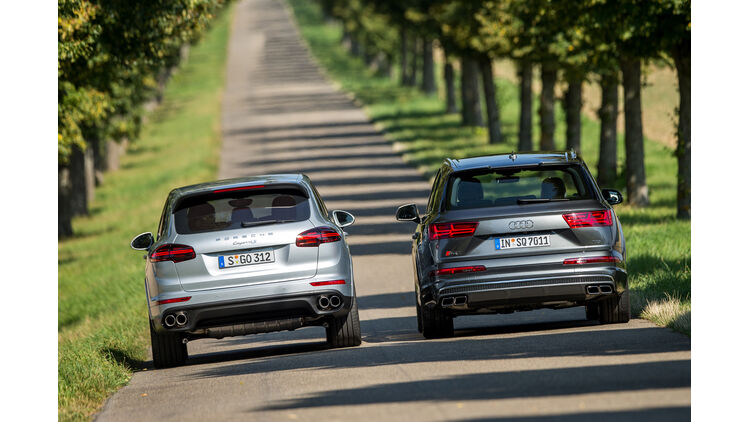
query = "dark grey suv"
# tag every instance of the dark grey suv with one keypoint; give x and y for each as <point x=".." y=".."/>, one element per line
<point x="517" y="232"/>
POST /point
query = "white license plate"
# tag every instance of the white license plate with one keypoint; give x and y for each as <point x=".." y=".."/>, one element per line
<point x="522" y="242"/>
<point x="261" y="256"/>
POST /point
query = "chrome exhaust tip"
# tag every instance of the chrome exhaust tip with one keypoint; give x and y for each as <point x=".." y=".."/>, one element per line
<point x="593" y="290"/>
<point x="323" y="302"/>
<point x="169" y="320"/>
<point x="334" y="301"/>
<point x="605" y="288"/>
<point x="460" y="301"/>
<point x="181" y="318"/>
<point x="448" y="301"/>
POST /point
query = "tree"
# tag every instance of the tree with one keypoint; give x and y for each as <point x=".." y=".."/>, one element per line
<point x="110" y="55"/>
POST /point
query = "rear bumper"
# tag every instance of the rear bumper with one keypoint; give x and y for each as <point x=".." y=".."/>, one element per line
<point x="262" y="314"/>
<point x="528" y="293"/>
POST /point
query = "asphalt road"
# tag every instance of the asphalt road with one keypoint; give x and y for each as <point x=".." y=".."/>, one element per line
<point x="282" y="115"/>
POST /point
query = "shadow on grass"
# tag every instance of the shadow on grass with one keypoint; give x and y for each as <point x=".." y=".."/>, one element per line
<point x="122" y="358"/>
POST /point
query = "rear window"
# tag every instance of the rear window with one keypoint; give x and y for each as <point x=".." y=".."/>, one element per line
<point x="494" y="188"/>
<point x="229" y="210"/>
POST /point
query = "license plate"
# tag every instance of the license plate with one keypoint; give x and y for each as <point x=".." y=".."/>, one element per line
<point x="522" y="242"/>
<point x="261" y="256"/>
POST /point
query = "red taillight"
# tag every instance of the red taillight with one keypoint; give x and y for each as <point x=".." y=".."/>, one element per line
<point x="239" y="188"/>
<point x="448" y="230"/>
<point x="327" y="283"/>
<point x="316" y="236"/>
<point x="175" y="300"/>
<point x="590" y="260"/>
<point x="459" y="270"/>
<point x="588" y="219"/>
<point x="172" y="252"/>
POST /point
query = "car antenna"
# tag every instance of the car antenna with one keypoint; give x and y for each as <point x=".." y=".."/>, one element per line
<point x="512" y="156"/>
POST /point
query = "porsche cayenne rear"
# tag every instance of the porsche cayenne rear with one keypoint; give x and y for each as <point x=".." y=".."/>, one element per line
<point x="245" y="256"/>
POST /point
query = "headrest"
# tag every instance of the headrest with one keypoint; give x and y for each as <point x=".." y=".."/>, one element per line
<point x="201" y="217"/>
<point x="283" y="207"/>
<point x="469" y="190"/>
<point x="240" y="202"/>
<point x="553" y="188"/>
<point x="283" y="201"/>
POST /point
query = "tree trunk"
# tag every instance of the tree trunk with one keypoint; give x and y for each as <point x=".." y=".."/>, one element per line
<point x="494" y="132"/>
<point x="346" y="39"/>
<point x="355" y="47"/>
<point x="428" y="66"/>
<point x="471" y="103"/>
<point x="524" y="126"/>
<point x="414" y="56"/>
<point x="635" y="169"/>
<point x="450" y="87"/>
<point x="607" y="166"/>
<point x="368" y="52"/>
<point x="404" y="56"/>
<point x="77" y="175"/>
<point x="681" y="57"/>
<point x="64" y="209"/>
<point x="573" y="104"/>
<point x="383" y="64"/>
<point x="547" y="108"/>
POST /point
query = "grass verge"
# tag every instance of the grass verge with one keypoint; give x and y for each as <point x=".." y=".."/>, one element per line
<point x="102" y="322"/>
<point x="658" y="244"/>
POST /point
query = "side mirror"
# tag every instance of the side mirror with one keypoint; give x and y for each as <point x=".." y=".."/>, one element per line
<point x="612" y="196"/>
<point x="142" y="242"/>
<point x="342" y="218"/>
<point x="407" y="212"/>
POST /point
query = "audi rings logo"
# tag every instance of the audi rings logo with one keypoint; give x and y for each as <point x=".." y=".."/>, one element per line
<point x="520" y="224"/>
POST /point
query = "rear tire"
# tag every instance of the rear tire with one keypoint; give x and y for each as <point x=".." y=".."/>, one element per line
<point x="616" y="309"/>
<point x="436" y="322"/>
<point x="167" y="349"/>
<point x="345" y="332"/>
<point x="592" y="312"/>
<point x="419" y="313"/>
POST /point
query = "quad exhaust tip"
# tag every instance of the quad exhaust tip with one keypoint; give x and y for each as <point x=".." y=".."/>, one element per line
<point x="453" y="300"/>
<point x="169" y="320"/>
<point x="599" y="289"/>
<point x="326" y="303"/>
<point x="181" y="319"/>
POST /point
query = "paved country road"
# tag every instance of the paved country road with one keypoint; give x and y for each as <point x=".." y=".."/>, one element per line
<point x="282" y="115"/>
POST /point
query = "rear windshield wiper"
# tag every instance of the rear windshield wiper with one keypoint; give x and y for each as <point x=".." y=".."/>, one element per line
<point x="537" y="200"/>
<point x="264" y="222"/>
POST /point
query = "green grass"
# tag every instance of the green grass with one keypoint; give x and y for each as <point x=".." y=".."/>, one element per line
<point x="102" y="315"/>
<point x="658" y="245"/>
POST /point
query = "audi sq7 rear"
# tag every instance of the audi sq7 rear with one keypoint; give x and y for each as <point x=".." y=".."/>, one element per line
<point x="517" y="232"/>
<point x="245" y="256"/>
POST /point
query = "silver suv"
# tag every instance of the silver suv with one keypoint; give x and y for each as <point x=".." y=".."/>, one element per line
<point x="517" y="232"/>
<point x="245" y="256"/>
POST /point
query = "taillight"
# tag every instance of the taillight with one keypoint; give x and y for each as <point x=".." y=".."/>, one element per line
<point x="588" y="219"/>
<point x="327" y="283"/>
<point x="172" y="252"/>
<point x="448" y="230"/>
<point x="459" y="270"/>
<point x="316" y="236"/>
<point x="590" y="260"/>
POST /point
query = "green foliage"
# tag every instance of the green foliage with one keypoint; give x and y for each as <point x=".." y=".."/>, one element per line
<point x="102" y="314"/>
<point x="110" y="54"/>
